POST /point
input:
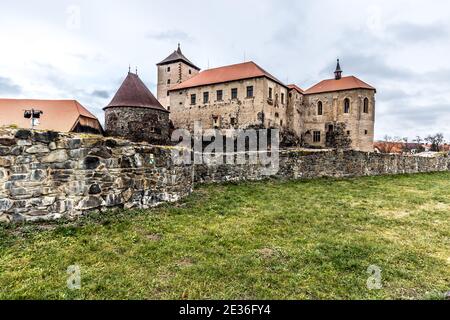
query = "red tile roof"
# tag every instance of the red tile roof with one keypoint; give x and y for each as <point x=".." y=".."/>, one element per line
<point x="345" y="83"/>
<point x="134" y="93"/>
<point x="59" y="115"/>
<point x="241" y="71"/>
<point x="295" y="87"/>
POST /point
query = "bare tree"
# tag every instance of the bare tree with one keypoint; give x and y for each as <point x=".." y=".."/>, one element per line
<point x="338" y="137"/>
<point x="436" y="141"/>
<point x="388" y="144"/>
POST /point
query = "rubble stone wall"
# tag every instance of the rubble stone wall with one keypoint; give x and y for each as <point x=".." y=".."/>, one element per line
<point x="46" y="175"/>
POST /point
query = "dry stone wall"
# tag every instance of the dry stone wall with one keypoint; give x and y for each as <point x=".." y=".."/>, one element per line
<point x="46" y="175"/>
<point x="314" y="164"/>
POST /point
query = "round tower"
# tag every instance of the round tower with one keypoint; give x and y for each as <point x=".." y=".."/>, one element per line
<point x="135" y="114"/>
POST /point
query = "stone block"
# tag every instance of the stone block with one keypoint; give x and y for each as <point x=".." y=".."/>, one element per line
<point x="56" y="156"/>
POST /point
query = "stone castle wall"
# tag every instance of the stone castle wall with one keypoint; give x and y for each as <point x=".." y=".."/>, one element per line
<point x="46" y="175"/>
<point x="315" y="164"/>
<point x="239" y="113"/>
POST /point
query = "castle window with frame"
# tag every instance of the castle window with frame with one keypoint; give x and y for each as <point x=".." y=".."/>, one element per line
<point x="320" y="108"/>
<point x="282" y="98"/>
<point x="205" y="97"/>
<point x="316" y="136"/>
<point x="219" y="95"/>
<point x="366" y="105"/>
<point x="277" y="115"/>
<point x="250" y="92"/>
<point x="234" y="93"/>
<point x="233" y="121"/>
<point x="193" y="99"/>
<point x="270" y="93"/>
<point x="347" y="105"/>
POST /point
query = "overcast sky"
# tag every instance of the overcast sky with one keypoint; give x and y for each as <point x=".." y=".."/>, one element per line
<point x="81" y="49"/>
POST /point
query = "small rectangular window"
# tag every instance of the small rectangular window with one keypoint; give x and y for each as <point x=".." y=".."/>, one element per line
<point x="316" y="137"/>
<point x="168" y="93"/>
<point x="233" y="121"/>
<point x="168" y="81"/>
<point x="282" y="98"/>
<point x="193" y="99"/>
<point x="234" y="93"/>
<point x="250" y="92"/>
<point x="168" y="69"/>
<point x="216" y="122"/>
<point x="205" y="97"/>
<point x="219" y="95"/>
<point x="366" y="132"/>
<point x="270" y="93"/>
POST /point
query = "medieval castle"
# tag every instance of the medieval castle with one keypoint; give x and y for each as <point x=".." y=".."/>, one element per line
<point x="238" y="96"/>
<point x="244" y="95"/>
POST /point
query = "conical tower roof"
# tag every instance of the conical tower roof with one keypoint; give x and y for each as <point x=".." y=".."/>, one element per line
<point x="134" y="93"/>
<point x="176" y="56"/>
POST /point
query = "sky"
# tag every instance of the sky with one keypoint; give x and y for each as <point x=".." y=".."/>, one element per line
<point x="82" y="49"/>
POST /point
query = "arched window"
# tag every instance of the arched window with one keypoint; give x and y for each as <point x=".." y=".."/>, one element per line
<point x="366" y="105"/>
<point x="320" y="108"/>
<point x="347" y="105"/>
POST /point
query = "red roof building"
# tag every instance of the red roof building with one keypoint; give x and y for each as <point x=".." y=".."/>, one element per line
<point x="241" y="71"/>
<point x="58" y="115"/>
<point x="341" y="84"/>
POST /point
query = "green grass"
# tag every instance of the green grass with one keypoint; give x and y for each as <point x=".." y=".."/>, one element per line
<point x="265" y="240"/>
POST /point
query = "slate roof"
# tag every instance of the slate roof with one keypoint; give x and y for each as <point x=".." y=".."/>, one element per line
<point x="176" y="56"/>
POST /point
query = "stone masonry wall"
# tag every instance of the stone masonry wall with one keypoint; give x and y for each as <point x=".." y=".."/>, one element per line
<point x="45" y="175"/>
<point x="314" y="164"/>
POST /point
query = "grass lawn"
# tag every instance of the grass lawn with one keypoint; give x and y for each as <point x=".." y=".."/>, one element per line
<point x="264" y="240"/>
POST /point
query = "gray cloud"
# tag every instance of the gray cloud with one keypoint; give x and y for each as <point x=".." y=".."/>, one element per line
<point x="101" y="94"/>
<point x="412" y="32"/>
<point x="7" y="86"/>
<point x="170" y="35"/>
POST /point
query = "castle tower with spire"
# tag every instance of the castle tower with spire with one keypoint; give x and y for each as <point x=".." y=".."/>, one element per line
<point x="173" y="70"/>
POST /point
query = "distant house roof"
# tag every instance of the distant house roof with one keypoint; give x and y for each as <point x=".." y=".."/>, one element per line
<point x="241" y="71"/>
<point x="134" y="93"/>
<point x="345" y="83"/>
<point x="176" y="56"/>
<point x="295" y="87"/>
<point x="58" y="115"/>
